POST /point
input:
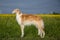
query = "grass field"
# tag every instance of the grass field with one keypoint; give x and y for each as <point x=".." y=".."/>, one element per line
<point x="10" y="30"/>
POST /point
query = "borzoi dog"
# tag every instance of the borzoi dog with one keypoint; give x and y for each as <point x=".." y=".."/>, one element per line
<point x="28" y="19"/>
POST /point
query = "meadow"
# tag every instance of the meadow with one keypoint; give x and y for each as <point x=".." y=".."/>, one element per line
<point x="10" y="30"/>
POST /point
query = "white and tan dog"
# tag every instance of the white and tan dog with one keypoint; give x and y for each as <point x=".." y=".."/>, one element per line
<point x="28" y="19"/>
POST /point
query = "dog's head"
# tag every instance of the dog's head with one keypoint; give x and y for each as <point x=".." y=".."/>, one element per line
<point x="16" y="11"/>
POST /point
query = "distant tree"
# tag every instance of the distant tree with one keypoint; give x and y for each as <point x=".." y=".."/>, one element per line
<point x="55" y="13"/>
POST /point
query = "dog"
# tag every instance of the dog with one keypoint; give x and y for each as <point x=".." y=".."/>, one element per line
<point x="28" y="19"/>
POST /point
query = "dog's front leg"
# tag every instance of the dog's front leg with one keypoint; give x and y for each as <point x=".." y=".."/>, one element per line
<point x="22" y="30"/>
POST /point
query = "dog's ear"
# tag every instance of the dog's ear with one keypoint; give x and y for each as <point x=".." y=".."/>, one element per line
<point x="18" y="10"/>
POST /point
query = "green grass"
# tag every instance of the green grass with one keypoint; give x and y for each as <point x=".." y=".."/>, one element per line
<point x="10" y="30"/>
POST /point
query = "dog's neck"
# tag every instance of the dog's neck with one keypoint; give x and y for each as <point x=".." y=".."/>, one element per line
<point x="18" y="14"/>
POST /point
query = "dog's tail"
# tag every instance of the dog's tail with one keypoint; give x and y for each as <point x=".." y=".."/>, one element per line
<point x="42" y="32"/>
<point x="42" y="23"/>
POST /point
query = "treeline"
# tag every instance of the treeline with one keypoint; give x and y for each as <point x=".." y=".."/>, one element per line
<point x="56" y="13"/>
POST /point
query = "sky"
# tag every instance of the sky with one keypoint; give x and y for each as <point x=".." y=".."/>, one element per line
<point x="30" y="6"/>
